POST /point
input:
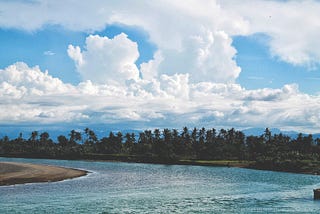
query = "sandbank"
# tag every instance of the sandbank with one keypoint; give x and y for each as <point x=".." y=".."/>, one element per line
<point x="20" y="173"/>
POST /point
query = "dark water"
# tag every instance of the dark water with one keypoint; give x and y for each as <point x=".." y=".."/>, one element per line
<point x="148" y="188"/>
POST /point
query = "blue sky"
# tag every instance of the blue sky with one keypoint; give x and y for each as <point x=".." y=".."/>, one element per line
<point x="129" y="64"/>
<point x="262" y="70"/>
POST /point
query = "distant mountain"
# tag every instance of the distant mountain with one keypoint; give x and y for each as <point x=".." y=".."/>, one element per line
<point x="103" y="131"/>
<point x="260" y="131"/>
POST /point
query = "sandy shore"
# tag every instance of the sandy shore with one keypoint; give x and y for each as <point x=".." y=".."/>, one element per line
<point x="20" y="173"/>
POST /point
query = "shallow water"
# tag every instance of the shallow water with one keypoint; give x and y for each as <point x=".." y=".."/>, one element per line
<point x="114" y="187"/>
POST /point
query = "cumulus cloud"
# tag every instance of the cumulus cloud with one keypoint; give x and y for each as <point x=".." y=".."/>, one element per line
<point x="171" y="23"/>
<point x="30" y="95"/>
<point x="106" y="60"/>
<point x="205" y="57"/>
<point x="191" y="36"/>
<point x="149" y="70"/>
<point x="280" y="21"/>
<point x="19" y="79"/>
<point x="176" y="85"/>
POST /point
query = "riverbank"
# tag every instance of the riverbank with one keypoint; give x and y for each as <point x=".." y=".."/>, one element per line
<point x="301" y="167"/>
<point x="305" y="166"/>
<point x="20" y="173"/>
<point x="293" y="166"/>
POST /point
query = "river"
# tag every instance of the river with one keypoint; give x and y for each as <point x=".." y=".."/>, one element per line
<point x="115" y="187"/>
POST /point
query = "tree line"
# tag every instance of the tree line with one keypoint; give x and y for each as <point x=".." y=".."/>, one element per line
<point x="168" y="145"/>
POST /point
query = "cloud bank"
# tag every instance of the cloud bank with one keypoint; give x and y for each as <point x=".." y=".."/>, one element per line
<point x="29" y="95"/>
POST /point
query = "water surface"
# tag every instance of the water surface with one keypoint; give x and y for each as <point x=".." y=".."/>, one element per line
<point x="115" y="187"/>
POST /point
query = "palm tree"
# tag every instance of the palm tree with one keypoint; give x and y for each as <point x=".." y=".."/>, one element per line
<point x="33" y="136"/>
<point x="267" y="135"/>
<point x="74" y="137"/>
<point x="44" y="137"/>
<point x="62" y="140"/>
<point x="129" y="142"/>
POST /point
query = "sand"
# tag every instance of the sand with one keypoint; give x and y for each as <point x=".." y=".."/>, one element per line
<point x="20" y="173"/>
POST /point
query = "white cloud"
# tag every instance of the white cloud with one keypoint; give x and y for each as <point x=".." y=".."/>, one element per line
<point x="107" y="60"/>
<point x="291" y="25"/>
<point x="48" y="53"/>
<point x="19" y="80"/>
<point x="30" y="95"/>
<point x="176" y="85"/>
<point x="205" y="57"/>
<point x="150" y="69"/>
<point x="192" y="36"/>
<point x="171" y="24"/>
<point x="75" y="54"/>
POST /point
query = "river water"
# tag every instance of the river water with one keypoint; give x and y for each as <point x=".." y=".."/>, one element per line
<point x="115" y="187"/>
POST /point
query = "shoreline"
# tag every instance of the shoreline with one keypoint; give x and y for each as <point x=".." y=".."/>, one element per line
<point x="12" y="173"/>
<point x="314" y="170"/>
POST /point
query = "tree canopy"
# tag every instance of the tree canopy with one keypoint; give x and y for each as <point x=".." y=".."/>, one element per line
<point x="169" y="146"/>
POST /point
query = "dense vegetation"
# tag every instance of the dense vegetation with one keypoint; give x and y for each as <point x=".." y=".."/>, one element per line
<point x="196" y="146"/>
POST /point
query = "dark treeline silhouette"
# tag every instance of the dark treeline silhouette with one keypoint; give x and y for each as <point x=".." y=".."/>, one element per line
<point x="267" y="151"/>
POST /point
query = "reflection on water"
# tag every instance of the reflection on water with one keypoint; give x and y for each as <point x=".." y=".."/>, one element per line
<point x="148" y="188"/>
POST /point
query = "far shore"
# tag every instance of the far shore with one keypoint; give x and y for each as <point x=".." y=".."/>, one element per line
<point x="20" y="173"/>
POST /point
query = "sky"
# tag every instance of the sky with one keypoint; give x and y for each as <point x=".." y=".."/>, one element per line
<point x="137" y="64"/>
